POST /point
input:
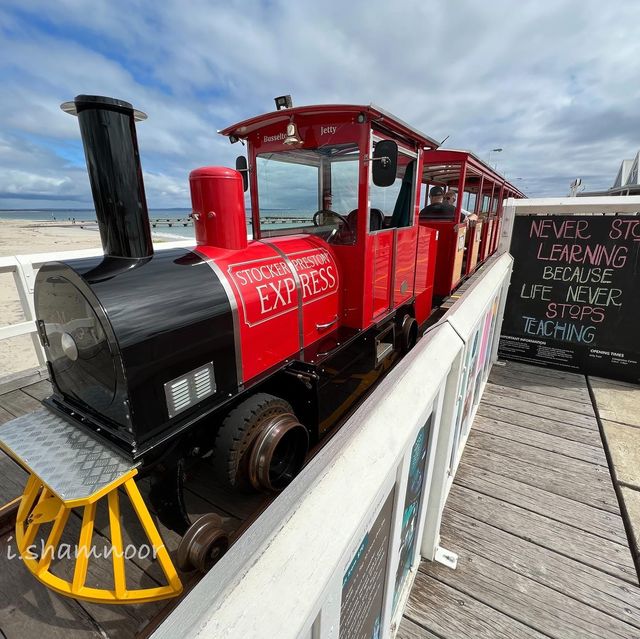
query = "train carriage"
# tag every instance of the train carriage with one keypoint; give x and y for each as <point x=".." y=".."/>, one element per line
<point x="244" y="351"/>
<point x="481" y="193"/>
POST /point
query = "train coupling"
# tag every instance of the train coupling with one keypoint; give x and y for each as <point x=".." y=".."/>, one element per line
<point x="70" y="469"/>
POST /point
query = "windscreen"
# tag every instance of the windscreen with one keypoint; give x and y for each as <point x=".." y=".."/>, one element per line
<point x="309" y="191"/>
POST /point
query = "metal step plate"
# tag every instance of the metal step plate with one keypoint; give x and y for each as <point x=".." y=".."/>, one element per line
<point x="71" y="462"/>
<point x="383" y="349"/>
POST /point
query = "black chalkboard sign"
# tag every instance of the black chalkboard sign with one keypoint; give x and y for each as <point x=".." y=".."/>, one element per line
<point x="574" y="299"/>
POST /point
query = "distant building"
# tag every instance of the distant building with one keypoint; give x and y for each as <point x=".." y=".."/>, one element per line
<point x="626" y="182"/>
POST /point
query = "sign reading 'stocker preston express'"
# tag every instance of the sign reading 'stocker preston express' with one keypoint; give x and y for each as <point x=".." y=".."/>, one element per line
<point x="272" y="286"/>
<point x="574" y="300"/>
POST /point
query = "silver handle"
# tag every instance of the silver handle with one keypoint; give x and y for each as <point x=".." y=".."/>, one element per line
<point x="321" y="327"/>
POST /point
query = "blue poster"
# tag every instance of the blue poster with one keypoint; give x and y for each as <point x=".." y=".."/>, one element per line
<point x="415" y="485"/>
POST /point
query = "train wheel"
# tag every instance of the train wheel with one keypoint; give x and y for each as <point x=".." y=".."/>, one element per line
<point x="408" y="333"/>
<point x="260" y="445"/>
<point x="203" y="544"/>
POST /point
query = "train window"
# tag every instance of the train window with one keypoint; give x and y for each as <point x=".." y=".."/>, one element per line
<point x="309" y="191"/>
<point x="344" y="176"/>
<point x="469" y="201"/>
<point x="396" y="201"/>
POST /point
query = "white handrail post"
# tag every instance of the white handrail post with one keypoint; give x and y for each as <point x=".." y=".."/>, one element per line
<point x="506" y="229"/>
<point x="24" y="278"/>
<point x="500" y="320"/>
<point x="443" y="442"/>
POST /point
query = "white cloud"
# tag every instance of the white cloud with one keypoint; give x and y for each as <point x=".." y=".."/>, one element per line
<point x="554" y="85"/>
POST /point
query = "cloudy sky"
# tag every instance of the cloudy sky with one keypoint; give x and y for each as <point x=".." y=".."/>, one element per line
<point x="556" y="85"/>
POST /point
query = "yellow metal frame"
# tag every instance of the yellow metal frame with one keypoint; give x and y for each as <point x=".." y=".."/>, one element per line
<point x="39" y="505"/>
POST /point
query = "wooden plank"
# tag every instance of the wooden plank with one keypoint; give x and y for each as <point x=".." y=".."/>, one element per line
<point x="539" y="457"/>
<point x="533" y="375"/>
<point x="12" y="479"/>
<point x="8" y="514"/>
<point x="202" y="483"/>
<point x="14" y="381"/>
<point x="539" y="410"/>
<point x="544" y="386"/>
<point x="612" y="383"/>
<point x="589" y="436"/>
<point x="607" y="556"/>
<point x="543" y="371"/>
<point x="410" y="630"/>
<point x="19" y="403"/>
<point x="596" y="477"/>
<point x="598" y="522"/>
<point x="28" y="609"/>
<point x="450" y="613"/>
<point x="563" y="403"/>
<point x="588" y="585"/>
<point x="543" y="441"/>
<point x="557" y="481"/>
<point x="5" y="415"/>
<point x="541" y="385"/>
<point x="40" y="390"/>
<point x="541" y="608"/>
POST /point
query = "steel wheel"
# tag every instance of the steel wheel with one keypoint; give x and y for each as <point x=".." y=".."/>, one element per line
<point x="409" y="333"/>
<point x="203" y="544"/>
<point x="261" y="445"/>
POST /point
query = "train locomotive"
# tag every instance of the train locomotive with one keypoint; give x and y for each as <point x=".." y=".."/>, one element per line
<point x="243" y="351"/>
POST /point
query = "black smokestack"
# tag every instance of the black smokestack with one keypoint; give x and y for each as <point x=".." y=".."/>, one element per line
<point x="108" y="131"/>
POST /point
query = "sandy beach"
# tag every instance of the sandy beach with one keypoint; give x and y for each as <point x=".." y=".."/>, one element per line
<point x="26" y="237"/>
<point x="19" y="237"/>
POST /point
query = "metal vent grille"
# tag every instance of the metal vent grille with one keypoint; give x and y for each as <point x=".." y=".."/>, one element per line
<point x="187" y="390"/>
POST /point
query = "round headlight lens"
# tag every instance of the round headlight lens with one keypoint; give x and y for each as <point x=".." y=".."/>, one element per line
<point x="69" y="347"/>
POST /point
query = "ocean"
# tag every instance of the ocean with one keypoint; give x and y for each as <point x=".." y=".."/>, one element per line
<point x="179" y="231"/>
<point x="89" y="215"/>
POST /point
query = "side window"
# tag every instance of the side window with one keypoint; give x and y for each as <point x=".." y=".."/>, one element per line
<point x="424" y="194"/>
<point x="395" y="202"/>
<point x="469" y="202"/>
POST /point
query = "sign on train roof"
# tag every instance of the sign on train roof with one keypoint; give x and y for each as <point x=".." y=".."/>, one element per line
<point x="374" y="113"/>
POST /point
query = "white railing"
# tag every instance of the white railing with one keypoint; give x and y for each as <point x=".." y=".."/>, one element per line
<point x="340" y="546"/>
<point x="295" y="570"/>
<point x="24" y="269"/>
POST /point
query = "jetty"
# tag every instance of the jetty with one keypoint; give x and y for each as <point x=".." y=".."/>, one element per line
<point x="488" y="486"/>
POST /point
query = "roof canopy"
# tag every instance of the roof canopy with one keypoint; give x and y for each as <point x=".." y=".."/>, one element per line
<point x="373" y="113"/>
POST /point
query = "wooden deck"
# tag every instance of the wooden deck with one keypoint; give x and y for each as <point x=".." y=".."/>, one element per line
<point x="534" y="518"/>
<point x="28" y="609"/>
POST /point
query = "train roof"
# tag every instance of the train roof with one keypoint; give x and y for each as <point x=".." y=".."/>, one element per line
<point x="448" y="155"/>
<point x="245" y="127"/>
